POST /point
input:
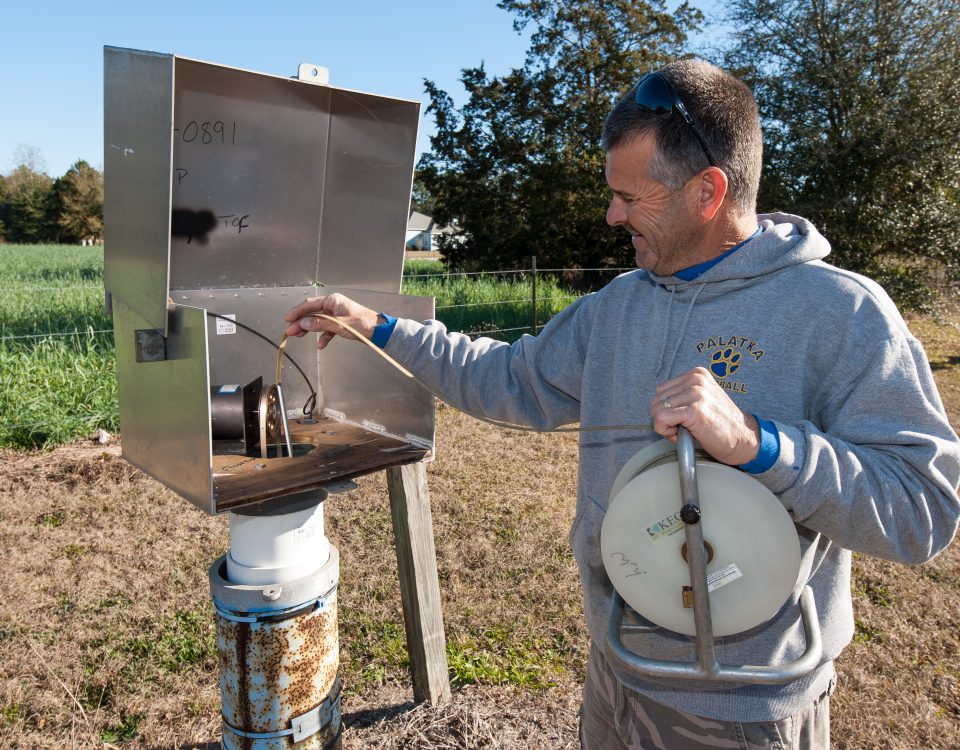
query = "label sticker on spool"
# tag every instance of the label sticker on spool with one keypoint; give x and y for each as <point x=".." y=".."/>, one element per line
<point x="305" y="533"/>
<point x="665" y="527"/>
<point x="225" y="327"/>
<point x="720" y="578"/>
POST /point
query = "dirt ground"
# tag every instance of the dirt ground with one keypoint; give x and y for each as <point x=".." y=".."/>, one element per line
<point x="106" y="624"/>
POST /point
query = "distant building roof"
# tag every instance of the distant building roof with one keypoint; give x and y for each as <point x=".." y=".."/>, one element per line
<point x="419" y="222"/>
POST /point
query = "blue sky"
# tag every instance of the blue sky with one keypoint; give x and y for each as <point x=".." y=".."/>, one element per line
<point x="51" y="55"/>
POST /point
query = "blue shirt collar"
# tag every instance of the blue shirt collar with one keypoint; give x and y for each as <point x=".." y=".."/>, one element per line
<point x="689" y="274"/>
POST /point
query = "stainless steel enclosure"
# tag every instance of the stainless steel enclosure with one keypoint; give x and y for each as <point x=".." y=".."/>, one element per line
<point x="236" y="193"/>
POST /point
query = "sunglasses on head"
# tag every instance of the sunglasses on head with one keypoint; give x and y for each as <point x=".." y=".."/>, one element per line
<point x="655" y="93"/>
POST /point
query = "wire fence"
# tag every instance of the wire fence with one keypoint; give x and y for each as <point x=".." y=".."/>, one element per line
<point x="74" y="287"/>
<point x="77" y="375"/>
<point x="533" y="300"/>
<point x="52" y="334"/>
<point x="514" y="271"/>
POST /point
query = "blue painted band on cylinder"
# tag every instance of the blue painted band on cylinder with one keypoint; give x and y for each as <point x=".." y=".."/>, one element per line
<point x="274" y="615"/>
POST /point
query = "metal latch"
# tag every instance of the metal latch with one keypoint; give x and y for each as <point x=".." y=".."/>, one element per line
<point x="151" y="345"/>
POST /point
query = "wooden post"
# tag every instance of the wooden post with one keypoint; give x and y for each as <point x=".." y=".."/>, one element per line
<point x="533" y="271"/>
<point x="419" y="585"/>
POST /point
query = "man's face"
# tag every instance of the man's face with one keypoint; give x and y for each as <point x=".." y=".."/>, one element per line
<point x="663" y="225"/>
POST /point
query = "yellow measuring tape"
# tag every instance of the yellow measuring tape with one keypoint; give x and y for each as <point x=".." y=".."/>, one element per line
<point x="408" y="374"/>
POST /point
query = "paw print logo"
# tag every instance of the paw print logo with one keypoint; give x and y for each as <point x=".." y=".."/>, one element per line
<point x="725" y="362"/>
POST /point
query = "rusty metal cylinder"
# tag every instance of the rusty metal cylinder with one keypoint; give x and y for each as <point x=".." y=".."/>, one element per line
<point x="279" y="660"/>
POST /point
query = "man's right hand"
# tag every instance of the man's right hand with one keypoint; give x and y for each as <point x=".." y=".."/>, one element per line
<point x="301" y="318"/>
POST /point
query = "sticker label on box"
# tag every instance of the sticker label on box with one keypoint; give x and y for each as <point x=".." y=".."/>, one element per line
<point x="225" y="326"/>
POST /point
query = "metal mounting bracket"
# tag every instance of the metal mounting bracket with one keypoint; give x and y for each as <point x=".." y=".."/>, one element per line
<point x="151" y="345"/>
<point x="303" y="726"/>
<point x="313" y="74"/>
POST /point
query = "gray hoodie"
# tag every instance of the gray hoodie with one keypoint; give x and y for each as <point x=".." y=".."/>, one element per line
<point x="868" y="462"/>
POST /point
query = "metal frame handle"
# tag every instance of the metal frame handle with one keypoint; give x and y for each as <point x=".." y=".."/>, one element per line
<point x="706" y="667"/>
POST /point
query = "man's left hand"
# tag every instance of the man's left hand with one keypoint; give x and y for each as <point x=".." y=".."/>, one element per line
<point x="697" y="402"/>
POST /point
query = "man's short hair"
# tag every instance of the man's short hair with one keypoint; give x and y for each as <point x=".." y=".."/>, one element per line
<point x="725" y="112"/>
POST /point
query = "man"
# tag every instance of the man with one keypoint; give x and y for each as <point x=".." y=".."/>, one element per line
<point x="803" y="375"/>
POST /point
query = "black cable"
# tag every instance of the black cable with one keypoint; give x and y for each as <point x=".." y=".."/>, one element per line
<point x="311" y="402"/>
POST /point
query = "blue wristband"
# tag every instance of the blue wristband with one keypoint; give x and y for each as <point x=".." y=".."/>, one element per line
<point x="769" y="448"/>
<point x="383" y="331"/>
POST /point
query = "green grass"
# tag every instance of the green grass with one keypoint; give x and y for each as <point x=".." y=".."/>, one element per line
<point x="185" y="641"/>
<point x="491" y="305"/>
<point x="57" y="363"/>
<point x="864" y="633"/>
<point x="12" y="713"/>
<point x="126" y="729"/>
<point x="57" y="389"/>
<point x="377" y="652"/>
<point x="51" y="289"/>
<point x="500" y="657"/>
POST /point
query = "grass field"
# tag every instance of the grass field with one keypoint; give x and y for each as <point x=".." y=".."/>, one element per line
<point x="485" y="304"/>
<point x="106" y="626"/>
<point x="106" y="622"/>
<point x="57" y="357"/>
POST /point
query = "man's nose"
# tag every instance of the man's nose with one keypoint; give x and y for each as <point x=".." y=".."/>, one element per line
<point x="616" y="215"/>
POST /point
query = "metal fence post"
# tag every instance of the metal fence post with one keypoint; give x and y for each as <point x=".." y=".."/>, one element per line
<point x="533" y="271"/>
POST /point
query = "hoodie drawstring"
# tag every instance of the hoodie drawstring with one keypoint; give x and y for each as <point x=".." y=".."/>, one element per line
<point x="665" y="373"/>
<point x="666" y="330"/>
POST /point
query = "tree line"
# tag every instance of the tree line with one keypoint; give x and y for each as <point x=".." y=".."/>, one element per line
<point x="860" y="106"/>
<point x="37" y="208"/>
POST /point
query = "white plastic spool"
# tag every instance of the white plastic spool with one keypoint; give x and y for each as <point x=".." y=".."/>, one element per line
<point x="754" y="550"/>
<point x="277" y="547"/>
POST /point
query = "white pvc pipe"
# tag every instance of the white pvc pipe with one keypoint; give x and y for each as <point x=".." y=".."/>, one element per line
<point x="267" y="549"/>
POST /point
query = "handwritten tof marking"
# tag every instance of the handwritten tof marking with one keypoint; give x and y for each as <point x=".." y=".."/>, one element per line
<point x="626" y="561"/>
<point x="239" y="222"/>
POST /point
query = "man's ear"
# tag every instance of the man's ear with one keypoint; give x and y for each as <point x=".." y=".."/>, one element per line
<point x="712" y="189"/>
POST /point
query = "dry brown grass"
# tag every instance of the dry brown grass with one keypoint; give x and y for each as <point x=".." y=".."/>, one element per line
<point x="106" y="594"/>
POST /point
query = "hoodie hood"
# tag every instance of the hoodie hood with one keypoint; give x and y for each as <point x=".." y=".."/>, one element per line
<point x="786" y="241"/>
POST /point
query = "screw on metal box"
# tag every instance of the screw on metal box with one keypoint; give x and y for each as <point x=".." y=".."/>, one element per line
<point x="706" y="668"/>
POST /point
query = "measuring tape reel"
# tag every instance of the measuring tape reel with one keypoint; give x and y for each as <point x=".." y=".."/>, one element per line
<point x="751" y="544"/>
<point x="742" y="565"/>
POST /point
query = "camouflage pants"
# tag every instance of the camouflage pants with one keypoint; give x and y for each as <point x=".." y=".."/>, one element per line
<point x="616" y="718"/>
